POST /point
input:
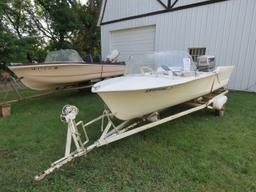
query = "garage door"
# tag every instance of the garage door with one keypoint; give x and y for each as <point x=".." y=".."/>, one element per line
<point x="133" y="41"/>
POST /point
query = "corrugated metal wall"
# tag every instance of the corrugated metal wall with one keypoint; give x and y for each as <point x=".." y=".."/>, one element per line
<point x="139" y="40"/>
<point x="186" y="2"/>
<point x="116" y="9"/>
<point x="227" y="30"/>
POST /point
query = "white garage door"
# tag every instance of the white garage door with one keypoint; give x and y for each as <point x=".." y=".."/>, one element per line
<point x="133" y="41"/>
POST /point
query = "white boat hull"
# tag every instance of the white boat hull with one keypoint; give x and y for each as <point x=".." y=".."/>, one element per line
<point x="129" y="104"/>
<point x="52" y="76"/>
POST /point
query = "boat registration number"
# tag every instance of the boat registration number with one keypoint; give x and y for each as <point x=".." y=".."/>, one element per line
<point x="43" y="68"/>
<point x="157" y="89"/>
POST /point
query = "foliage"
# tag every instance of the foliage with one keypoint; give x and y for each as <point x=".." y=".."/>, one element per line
<point x="35" y="27"/>
<point x="13" y="49"/>
<point x="61" y="18"/>
<point x="15" y="16"/>
<point x="89" y="32"/>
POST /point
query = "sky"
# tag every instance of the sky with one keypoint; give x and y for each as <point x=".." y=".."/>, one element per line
<point x="83" y="1"/>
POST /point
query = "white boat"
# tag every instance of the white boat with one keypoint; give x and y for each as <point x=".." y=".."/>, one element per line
<point x="63" y="68"/>
<point x="156" y="81"/>
<point x="151" y="83"/>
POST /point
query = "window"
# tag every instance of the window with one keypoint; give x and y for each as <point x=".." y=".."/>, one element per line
<point x="196" y="52"/>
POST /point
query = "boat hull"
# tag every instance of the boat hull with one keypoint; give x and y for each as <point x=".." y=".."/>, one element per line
<point x="130" y="104"/>
<point x="52" y="76"/>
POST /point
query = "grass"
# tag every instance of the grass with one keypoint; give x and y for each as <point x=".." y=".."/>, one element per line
<point x="198" y="152"/>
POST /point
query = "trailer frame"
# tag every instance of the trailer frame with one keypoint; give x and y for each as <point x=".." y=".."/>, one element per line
<point x="111" y="132"/>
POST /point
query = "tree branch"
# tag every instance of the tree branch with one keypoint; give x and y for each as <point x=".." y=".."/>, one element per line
<point x="14" y="25"/>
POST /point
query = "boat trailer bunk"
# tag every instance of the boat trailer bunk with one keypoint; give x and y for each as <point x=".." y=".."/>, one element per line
<point x="110" y="132"/>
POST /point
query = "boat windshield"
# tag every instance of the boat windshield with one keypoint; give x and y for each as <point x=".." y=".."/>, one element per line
<point x="160" y="63"/>
<point x="63" y="55"/>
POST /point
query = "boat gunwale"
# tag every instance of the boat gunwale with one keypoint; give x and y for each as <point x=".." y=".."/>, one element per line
<point x="152" y="88"/>
<point x="60" y="64"/>
<point x="54" y="75"/>
<point x="213" y="73"/>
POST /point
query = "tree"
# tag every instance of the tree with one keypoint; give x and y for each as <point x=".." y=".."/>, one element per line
<point x="60" y="21"/>
<point x="13" y="49"/>
<point x="87" y="39"/>
<point x="17" y="35"/>
<point x="16" y="17"/>
<point x="37" y="26"/>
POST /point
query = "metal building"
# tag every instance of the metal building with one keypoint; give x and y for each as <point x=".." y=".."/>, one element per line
<point x="223" y="28"/>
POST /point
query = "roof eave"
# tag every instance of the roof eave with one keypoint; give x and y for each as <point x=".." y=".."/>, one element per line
<point x="101" y="13"/>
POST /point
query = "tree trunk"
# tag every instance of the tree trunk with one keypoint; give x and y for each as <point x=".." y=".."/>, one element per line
<point x="61" y="42"/>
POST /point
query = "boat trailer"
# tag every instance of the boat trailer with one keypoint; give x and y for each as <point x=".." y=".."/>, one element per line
<point x="111" y="132"/>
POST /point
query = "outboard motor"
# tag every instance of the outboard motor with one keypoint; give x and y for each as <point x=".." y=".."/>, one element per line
<point x="113" y="56"/>
<point x="205" y="63"/>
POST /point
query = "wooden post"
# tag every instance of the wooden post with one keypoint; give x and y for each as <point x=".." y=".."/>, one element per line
<point x="5" y="109"/>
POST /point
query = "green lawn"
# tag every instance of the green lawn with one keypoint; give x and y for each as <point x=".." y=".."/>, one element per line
<point x="198" y="152"/>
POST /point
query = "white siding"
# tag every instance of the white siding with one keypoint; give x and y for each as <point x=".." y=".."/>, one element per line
<point x="186" y="2"/>
<point x="116" y="9"/>
<point x="133" y="41"/>
<point x="165" y="2"/>
<point x="227" y="30"/>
